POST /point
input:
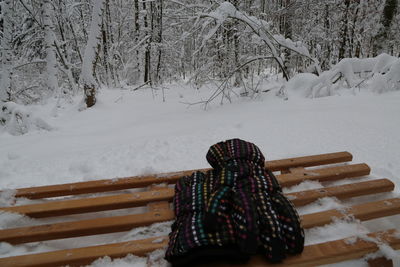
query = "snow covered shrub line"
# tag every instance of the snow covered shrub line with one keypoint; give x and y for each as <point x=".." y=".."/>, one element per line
<point x="17" y="120"/>
<point x="379" y="74"/>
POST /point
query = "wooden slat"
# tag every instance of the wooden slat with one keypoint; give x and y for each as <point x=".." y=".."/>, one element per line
<point x="83" y="227"/>
<point x="75" y="206"/>
<point x="342" y="191"/>
<point x="309" y="161"/>
<point x="83" y="256"/>
<point x="380" y="262"/>
<point x="324" y="174"/>
<point x="363" y="212"/>
<point x="160" y="205"/>
<point x="367" y="211"/>
<point x="66" y="207"/>
<point x="333" y="251"/>
<point x="318" y="254"/>
<point x="143" y="181"/>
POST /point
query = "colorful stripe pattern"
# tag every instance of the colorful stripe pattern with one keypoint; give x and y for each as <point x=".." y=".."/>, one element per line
<point x="237" y="204"/>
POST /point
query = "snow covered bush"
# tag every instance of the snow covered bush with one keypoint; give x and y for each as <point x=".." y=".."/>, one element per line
<point x="379" y="74"/>
<point x="17" y="120"/>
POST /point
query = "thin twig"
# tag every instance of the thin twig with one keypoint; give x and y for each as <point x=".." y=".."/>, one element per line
<point x="30" y="12"/>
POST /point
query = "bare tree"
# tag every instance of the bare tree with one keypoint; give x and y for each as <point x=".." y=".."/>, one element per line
<point x="89" y="58"/>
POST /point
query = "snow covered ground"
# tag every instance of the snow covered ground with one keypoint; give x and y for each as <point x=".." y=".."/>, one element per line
<point x="130" y="133"/>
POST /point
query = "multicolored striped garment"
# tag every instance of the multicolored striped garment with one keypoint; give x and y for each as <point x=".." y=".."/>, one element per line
<point x="235" y="210"/>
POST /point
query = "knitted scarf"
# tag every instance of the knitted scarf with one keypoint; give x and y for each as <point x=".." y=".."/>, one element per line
<point x="235" y="210"/>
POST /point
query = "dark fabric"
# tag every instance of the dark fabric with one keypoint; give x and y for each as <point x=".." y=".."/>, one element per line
<point x="237" y="207"/>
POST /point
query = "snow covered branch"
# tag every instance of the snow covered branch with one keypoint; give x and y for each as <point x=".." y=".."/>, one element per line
<point x="226" y="10"/>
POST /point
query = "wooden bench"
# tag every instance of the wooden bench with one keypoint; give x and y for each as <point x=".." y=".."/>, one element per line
<point x="156" y="198"/>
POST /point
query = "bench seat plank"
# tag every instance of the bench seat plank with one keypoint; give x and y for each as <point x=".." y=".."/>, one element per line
<point x="334" y="251"/>
<point x="365" y="211"/>
<point x="309" y="161"/>
<point x="93" y="204"/>
<point x="342" y="191"/>
<point x="143" y="181"/>
<point x="323" y="253"/>
<point x="75" y="206"/>
<point x="324" y="174"/>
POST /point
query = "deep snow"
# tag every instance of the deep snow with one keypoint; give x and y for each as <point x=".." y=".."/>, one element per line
<point x="131" y="133"/>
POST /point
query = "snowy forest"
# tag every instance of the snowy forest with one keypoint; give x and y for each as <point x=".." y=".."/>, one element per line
<point x="63" y="48"/>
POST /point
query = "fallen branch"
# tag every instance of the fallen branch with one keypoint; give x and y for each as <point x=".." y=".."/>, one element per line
<point x="137" y="88"/>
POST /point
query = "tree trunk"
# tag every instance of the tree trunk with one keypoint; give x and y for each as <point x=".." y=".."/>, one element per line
<point x="88" y="64"/>
<point x="287" y="32"/>
<point x="352" y="38"/>
<point x="344" y="32"/>
<point x="325" y="64"/>
<point x="105" y="54"/>
<point x="51" y="62"/>
<point x="108" y="40"/>
<point x="149" y="32"/>
<point x="159" y="37"/>
<point x="6" y="63"/>
<point x="381" y="38"/>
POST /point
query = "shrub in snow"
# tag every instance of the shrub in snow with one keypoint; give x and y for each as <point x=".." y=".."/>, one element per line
<point x="16" y="120"/>
<point x="380" y="74"/>
<point x="301" y="84"/>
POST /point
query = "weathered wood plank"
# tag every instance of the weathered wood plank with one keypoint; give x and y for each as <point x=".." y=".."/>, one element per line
<point x="313" y="255"/>
<point x="363" y="212"/>
<point x="333" y="251"/>
<point x="75" y="206"/>
<point x="380" y="262"/>
<point x="66" y="207"/>
<point x="143" y="181"/>
<point x="160" y="205"/>
<point x="309" y="161"/>
<point x="324" y="174"/>
<point x="342" y="191"/>
<point x="83" y="227"/>
<point x="83" y="256"/>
